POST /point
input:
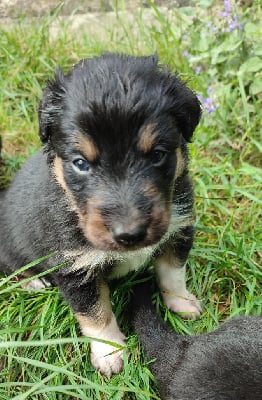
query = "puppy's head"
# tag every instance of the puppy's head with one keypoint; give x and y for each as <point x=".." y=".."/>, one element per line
<point x="113" y="128"/>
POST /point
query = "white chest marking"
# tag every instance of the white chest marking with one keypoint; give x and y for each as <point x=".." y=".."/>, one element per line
<point x="131" y="261"/>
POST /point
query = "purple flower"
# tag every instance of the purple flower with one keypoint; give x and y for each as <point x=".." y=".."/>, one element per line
<point x="198" y="69"/>
<point x="209" y="105"/>
<point x="231" y="21"/>
<point x="227" y="6"/>
<point x="212" y="27"/>
<point x="233" y="24"/>
<point x="187" y="55"/>
<point x="208" y="102"/>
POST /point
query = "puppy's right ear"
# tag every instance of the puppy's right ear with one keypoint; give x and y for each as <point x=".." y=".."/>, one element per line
<point x="50" y="108"/>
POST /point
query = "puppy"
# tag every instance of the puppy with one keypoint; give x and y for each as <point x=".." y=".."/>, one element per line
<point x="225" y="364"/>
<point x="109" y="192"/>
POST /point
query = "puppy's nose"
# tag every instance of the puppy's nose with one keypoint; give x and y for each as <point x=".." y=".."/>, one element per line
<point x="126" y="237"/>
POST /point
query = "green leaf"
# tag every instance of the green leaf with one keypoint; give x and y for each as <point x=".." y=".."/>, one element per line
<point x="258" y="50"/>
<point x="206" y="3"/>
<point x="256" y="86"/>
<point x="220" y="53"/>
<point x="253" y="29"/>
<point x="253" y="64"/>
<point x="203" y="44"/>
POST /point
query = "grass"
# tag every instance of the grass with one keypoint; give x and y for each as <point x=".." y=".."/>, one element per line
<point x="42" y="354"/>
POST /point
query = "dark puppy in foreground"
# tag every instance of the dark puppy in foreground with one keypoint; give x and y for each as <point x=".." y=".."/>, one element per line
<point x="110" y="190"/>
<point x="225" y="364"/>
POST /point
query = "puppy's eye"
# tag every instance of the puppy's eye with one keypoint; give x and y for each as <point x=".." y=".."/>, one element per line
<point x="81" y="164"/>
<point x="158" y="157"/>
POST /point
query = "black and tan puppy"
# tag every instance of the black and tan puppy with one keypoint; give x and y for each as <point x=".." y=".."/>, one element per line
<point x="225" y="364"/>
<point x="110" y="190"/>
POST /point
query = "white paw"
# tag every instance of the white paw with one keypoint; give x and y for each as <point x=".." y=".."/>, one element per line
<point x="186" y="305"/>
<point x="106" y="358"/>
<point x="36" y="284"/>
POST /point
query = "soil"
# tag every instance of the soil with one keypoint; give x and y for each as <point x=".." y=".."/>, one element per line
<point x="29" y="8"/>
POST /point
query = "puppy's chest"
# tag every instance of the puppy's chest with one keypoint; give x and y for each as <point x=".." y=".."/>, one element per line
<point x="131" y="262"/>
<point x="117" y="264"/>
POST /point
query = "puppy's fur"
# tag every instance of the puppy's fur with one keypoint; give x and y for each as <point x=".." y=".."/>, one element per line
<point x="109" y="191"/>
<point x="225" y="364"/>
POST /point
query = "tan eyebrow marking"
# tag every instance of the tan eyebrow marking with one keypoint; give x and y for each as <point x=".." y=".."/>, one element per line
<point x="87" y="147"/>
<point x="147" y="138"/>
<point x="57" y="169"/>
<point x="180" y="164"/>
<point x="58" y="173"/>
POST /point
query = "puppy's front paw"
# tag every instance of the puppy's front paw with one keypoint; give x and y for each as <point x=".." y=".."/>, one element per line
<point x="187" y="305"/>
<point x="106" y="358"/>
<point x="36" y="284"/>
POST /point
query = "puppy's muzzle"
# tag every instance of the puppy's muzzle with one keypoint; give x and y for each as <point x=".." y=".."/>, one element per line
<point x="129" y="237"/>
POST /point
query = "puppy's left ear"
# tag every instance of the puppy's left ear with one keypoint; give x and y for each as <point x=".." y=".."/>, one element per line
<point x="50" y="108"/>
<point x="189" y="116"/>
<point x="185" y="108"/>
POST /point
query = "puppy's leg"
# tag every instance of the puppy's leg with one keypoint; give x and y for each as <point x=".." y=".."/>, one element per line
<point x="170" y="268"/>
<point x="91" y="305"/>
